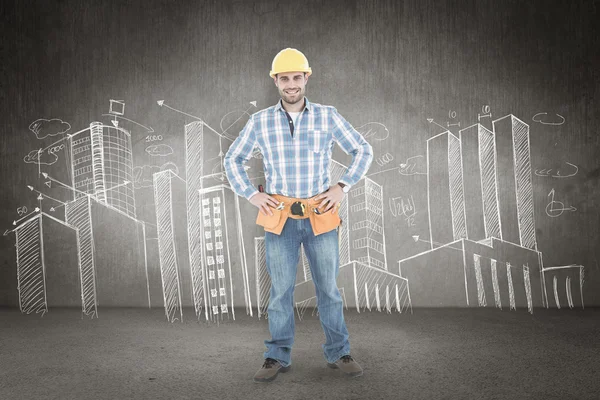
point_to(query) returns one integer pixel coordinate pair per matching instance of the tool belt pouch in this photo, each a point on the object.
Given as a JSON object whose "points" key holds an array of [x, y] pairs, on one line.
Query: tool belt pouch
{"points": [[325, 222], [272, 223]]}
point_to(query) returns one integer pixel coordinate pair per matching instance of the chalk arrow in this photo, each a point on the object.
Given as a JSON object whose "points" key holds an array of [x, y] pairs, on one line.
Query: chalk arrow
{"points": [[114, 187], [162, 104], [49, 183], [27, 216], [115, 122], [431, 121], [52, 209], [245, 112], [416, 238], [63, 185], [43, 196], [385, 170], [6, 232]]}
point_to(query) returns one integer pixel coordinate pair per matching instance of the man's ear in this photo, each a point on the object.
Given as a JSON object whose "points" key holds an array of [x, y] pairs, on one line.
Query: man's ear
{"points": [[275, 80]]}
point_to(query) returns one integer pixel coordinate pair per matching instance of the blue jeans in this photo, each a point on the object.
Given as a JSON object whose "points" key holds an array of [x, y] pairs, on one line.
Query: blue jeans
{"points": [[282, 256]]}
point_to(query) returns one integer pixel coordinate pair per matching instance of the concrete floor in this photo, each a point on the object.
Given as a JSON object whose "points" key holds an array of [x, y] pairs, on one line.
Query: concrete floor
{"points": [[430, 354]]}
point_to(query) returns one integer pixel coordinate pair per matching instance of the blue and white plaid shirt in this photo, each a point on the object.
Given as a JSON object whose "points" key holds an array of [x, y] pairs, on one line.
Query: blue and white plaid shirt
{"points": [[296, 165]]}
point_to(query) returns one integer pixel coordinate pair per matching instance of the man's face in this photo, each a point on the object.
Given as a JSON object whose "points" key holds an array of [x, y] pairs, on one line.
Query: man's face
{"points": [[291, 86]]}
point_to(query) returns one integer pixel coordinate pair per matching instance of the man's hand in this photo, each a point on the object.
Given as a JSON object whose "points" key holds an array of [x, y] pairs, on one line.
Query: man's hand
{"points": [[332, 197], [263, 201]]}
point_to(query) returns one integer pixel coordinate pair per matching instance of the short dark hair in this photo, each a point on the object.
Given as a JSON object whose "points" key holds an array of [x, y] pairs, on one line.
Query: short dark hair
{"points": [[277, 75]]}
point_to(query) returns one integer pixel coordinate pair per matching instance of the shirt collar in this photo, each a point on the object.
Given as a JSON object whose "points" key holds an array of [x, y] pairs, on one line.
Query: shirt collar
{"points": [[307, 105]]}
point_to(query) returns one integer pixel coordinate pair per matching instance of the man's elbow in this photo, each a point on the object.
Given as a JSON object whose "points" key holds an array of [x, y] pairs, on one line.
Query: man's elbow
{"points": [[229, 161], [368, 151], [228, 157]]}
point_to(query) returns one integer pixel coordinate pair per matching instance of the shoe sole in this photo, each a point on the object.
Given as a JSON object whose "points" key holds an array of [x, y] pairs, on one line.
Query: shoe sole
{"points": [[283, 370], [335, 366]]}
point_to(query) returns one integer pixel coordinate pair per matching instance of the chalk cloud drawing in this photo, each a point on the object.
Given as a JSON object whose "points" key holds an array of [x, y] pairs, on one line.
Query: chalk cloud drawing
{"points": [[548, 172], [142, 175], [40, 157], [411, 166], [374, 131], [544, 119], [159, 150], [43, 128]]}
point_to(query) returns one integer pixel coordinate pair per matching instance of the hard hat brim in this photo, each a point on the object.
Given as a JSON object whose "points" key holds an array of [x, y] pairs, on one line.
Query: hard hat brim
{"points": [[307, 70]]}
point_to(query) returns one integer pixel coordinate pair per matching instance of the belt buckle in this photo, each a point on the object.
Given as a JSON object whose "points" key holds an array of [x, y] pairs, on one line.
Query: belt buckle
{"points": [[297, 208]]}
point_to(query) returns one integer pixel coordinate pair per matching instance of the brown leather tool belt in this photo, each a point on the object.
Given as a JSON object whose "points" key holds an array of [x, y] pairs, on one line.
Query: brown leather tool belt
{"points": [[290, 207]]}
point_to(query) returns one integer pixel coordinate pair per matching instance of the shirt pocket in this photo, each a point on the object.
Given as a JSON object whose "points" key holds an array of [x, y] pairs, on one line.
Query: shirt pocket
{"points": [[318, 140]]}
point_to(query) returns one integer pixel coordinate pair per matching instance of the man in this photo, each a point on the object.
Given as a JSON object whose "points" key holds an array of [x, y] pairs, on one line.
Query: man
{"points": [[296, 139]]}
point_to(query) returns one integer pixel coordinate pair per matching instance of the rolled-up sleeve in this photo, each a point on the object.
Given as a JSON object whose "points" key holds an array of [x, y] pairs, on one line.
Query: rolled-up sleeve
{"points": [[352, 143], [238, 154]]}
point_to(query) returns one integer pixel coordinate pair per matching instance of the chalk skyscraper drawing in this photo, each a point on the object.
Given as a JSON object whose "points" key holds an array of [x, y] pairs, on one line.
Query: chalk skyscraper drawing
{"points": [[366, 227], [194, 155], [445, 196], [479, 178], [101, 163], [167, 247], [515, 193]]}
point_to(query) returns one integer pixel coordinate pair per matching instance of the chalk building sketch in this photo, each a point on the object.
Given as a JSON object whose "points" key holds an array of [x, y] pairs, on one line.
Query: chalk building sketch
{"points": [[167, 246], [102, 197], [46, 278], [482, 244], [101, 161], [214, 230], [224, 260], [482, 225]]}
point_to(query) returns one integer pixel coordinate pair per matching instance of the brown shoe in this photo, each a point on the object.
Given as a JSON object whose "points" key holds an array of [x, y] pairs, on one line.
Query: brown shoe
{"points": [[347, 365], [269, 370]]}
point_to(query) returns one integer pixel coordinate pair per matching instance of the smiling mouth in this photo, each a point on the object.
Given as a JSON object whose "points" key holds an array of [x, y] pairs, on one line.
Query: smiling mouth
{"points": [[294, 92]]}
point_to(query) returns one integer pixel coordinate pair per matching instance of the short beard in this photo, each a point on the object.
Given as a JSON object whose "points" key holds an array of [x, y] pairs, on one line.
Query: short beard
{"points": [[300, 97]]}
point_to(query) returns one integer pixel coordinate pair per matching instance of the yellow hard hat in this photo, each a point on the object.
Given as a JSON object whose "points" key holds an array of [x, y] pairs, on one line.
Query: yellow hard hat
{"points": [[289, 60]]}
